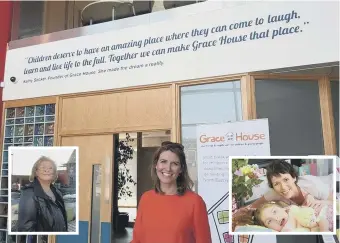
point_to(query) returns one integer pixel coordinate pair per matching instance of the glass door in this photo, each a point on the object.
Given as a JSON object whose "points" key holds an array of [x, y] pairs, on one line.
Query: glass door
{"points": [[134, 153]]}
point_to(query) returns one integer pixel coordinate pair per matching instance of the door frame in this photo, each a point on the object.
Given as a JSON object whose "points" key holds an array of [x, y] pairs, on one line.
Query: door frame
{"points": [[248, 105]]}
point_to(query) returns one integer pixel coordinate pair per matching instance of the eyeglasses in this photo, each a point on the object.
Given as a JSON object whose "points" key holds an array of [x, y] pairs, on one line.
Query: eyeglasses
{"points": [[173, 145], [45, 169]]}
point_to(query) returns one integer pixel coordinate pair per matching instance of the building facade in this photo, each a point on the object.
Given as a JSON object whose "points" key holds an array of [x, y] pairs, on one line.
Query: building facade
{"points": [[213, 71]]}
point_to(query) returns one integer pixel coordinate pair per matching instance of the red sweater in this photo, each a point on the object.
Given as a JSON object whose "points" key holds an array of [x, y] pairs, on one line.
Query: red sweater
{"points": [[171, 219]]}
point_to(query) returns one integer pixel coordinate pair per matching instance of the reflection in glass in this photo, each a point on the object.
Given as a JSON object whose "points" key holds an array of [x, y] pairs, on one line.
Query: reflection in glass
{"points": [[39, 129], [29, 120], [42, 239], [19, 140], [129, 193], [2, 236], [11, 239], [19, 121], [39, 119], [29, 129], [19, 130], [95, 209], [6, 146], [4, 184], [10, 113], [38, 141], [49, 118], [21, 239], [4, 209], [5, 154], [293, 112], [20, 112], [9, 131], [31, 19], [31, 239], [8, 140], [29, 111], [10, 122], [48, 141], [28, 139], [49, 128], [39, 110], [50, 109], [217, 103], [3, 221]]}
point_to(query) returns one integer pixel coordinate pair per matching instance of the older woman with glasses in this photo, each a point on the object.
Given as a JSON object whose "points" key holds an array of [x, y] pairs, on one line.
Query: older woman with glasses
{"points": [[41, 206], [171, 211]]}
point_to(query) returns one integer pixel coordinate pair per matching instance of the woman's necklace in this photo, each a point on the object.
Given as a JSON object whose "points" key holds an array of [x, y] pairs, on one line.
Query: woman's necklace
{"points": [[299, 199]]}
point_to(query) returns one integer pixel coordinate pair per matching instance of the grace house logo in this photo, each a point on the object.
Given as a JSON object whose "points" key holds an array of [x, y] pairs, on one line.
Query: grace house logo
{"points": [[230, 136], [233, 137]]}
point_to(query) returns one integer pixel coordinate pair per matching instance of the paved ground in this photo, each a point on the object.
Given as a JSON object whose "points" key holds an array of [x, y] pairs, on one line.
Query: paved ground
{"points": [[72, 226]]}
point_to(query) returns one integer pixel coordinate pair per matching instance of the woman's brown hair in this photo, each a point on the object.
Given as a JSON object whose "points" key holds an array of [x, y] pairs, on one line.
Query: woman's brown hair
{"points": [[184, 182], [277, 167]]}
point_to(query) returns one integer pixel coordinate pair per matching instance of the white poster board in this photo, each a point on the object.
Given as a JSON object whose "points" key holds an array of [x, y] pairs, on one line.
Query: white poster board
{"points": [[215, 143]]}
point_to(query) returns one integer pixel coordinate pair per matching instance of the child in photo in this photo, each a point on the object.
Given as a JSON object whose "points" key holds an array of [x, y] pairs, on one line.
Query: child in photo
{"points": [[279, 217]]}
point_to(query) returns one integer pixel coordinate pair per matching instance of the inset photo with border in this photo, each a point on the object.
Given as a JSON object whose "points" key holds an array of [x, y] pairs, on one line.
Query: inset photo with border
{"points": [[283, 195], [43, 186]]}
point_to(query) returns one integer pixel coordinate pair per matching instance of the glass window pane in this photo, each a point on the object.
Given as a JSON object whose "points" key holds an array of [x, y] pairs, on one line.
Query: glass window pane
{"points": [[293, 111], [335, 100], [207, 104]]}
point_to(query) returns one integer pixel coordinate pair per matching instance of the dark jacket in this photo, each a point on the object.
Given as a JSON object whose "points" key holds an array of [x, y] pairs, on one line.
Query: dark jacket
{"points": [[38, 212]]}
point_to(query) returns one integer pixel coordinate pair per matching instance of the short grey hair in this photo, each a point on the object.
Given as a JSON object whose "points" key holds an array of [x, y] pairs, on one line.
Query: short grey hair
{"points": [[37, 164]]}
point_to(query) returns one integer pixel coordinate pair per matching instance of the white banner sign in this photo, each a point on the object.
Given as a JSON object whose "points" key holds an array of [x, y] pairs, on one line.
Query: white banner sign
{"points": [[215, 143], [251, 37]]}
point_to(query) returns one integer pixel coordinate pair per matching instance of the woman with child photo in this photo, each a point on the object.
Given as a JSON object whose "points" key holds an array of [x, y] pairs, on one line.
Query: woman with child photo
{"points": [[288, 188]]}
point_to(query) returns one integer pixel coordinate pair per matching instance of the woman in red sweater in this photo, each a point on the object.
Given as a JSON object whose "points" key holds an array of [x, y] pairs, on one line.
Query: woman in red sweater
{"points": [[171, 212]]}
